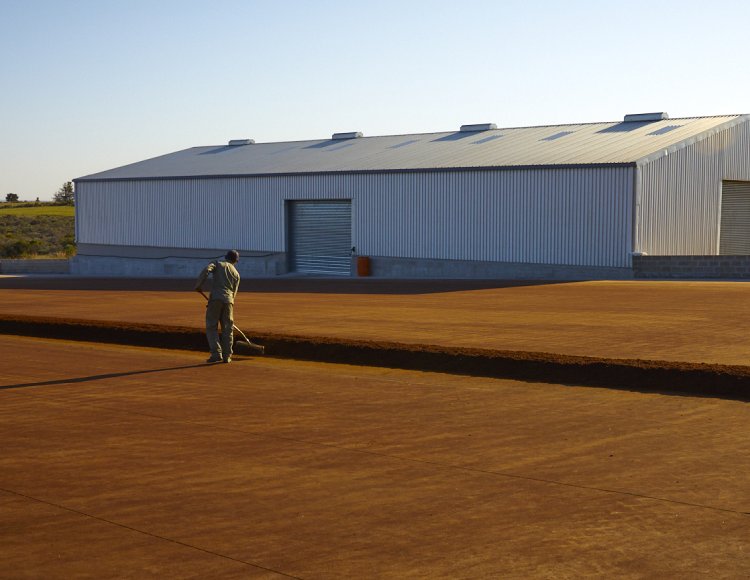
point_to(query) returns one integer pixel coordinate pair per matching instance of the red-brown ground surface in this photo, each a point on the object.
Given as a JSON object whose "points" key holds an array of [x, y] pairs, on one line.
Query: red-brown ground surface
{"points": [[699, 322], [123, 462], [634, 374], [663, 336]]}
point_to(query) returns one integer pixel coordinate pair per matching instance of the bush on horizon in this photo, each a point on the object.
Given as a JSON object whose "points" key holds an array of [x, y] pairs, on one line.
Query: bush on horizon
{"points": [[38, 235]]}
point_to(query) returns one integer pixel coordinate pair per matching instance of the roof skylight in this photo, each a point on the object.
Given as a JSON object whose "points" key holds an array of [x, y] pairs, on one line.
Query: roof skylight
{"points": [[490, 138], [557, 135], [404, 144], [666, 129]]}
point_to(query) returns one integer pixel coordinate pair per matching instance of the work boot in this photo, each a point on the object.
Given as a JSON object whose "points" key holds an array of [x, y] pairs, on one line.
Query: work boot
{"points": [[214, 359]]}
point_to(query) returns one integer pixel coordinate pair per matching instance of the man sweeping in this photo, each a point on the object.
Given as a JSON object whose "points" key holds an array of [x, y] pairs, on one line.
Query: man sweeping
{"points": [[224, 286]]}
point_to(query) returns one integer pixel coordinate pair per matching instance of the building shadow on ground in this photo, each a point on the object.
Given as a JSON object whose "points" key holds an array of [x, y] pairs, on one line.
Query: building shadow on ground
{"points": [[280, 285]]}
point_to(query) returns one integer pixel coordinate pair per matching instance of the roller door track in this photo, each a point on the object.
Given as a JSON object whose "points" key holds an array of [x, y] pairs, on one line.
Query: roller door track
{"points": [[735, 218], [320, 237]]}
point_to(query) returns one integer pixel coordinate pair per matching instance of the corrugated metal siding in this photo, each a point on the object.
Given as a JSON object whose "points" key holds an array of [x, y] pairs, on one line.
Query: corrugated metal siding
{"points": [[735, 218], [680, 194], [551, 216]]}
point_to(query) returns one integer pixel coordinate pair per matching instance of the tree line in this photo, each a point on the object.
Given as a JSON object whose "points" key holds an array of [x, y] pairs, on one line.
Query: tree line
{"points": [[64, 196]]}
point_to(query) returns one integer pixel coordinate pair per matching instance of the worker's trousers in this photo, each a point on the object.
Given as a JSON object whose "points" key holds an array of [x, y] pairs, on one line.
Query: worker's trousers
{"points": [[219, 312]]}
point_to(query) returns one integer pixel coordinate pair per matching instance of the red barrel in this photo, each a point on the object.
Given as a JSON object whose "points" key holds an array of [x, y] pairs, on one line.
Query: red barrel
{"points": [[363, 266]]}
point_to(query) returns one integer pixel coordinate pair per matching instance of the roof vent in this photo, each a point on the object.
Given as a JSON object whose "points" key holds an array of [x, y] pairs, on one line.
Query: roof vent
{"points": [[645, 117], [352, 135], [478, 127], [235, 142]]}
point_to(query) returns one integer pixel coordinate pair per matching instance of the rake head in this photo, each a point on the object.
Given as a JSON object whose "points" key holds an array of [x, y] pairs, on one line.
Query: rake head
{"points": [[251, 345]]}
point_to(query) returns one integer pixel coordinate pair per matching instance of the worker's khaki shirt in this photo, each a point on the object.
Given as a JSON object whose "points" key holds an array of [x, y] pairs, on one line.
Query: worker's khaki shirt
{"points": [[226, 281]]}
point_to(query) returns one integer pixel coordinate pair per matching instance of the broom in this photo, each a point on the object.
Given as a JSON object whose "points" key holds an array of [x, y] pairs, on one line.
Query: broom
{"points": [[246, 342]]}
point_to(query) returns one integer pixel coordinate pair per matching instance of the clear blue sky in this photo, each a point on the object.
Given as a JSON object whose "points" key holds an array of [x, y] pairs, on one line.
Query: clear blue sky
{"points": [[89, 85]]}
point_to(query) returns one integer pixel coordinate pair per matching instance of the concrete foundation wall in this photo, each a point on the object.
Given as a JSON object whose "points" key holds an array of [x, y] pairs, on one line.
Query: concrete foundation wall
{"points": [[160, 262], [172, 267], [460, 269], [702, 267], [268, 266], [34, 267]]}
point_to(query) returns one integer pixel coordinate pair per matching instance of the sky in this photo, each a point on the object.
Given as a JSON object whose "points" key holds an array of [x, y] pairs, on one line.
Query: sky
{"points": [[90, 85]]}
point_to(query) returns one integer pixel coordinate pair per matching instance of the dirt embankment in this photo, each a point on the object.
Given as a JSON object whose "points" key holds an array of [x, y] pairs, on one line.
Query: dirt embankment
{"points": [[640, 375]]}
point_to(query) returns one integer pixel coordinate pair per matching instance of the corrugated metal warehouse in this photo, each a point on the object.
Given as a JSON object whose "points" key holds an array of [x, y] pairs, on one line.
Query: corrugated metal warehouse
{"points": [[566, 201]]}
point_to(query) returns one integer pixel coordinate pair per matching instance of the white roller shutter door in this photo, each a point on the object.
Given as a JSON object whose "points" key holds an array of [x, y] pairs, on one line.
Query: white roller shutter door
{"points": [[320, 237], [735, 218]]}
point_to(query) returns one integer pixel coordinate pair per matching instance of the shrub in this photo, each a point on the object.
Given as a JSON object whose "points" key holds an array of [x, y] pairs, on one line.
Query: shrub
{"points": [[20, 249], [41, 235]]}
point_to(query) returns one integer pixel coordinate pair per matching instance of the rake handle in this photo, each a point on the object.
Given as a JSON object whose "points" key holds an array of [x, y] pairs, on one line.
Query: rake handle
{"points": [[249, 342]]}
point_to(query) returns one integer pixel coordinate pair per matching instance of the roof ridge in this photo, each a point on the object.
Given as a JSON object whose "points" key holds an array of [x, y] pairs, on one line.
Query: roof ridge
{"points": [[508, 128]]}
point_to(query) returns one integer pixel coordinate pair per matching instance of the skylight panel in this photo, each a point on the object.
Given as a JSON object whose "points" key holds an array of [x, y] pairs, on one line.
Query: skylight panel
{"points": [[557, 135], [339, 147], [666, 129], [404, 144], [490, 138]]}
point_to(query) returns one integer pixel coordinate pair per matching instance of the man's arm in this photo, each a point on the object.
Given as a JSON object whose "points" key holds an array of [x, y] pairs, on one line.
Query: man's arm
{"points": [[203, 275], [236, 287]]}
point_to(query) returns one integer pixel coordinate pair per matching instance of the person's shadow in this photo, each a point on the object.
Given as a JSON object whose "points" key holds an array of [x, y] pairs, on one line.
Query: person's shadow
{"points": [[98, 377]]}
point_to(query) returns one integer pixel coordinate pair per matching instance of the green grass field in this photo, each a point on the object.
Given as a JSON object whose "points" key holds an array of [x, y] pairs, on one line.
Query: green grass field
{"points": [[36, 210]]}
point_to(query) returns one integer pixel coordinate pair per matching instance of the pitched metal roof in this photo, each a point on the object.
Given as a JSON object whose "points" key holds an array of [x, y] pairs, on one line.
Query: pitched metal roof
{"points": [[582, 144]]}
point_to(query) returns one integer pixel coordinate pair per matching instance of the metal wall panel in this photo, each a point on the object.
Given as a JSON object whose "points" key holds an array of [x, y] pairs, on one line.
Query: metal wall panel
{"points": [[549, 217], [320, 237], [678, 195], [576, 216], [735, 218]]}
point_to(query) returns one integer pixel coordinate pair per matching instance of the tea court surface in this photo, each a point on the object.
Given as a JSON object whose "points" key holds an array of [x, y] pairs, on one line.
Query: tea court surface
{"points": [[132, 462]]}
